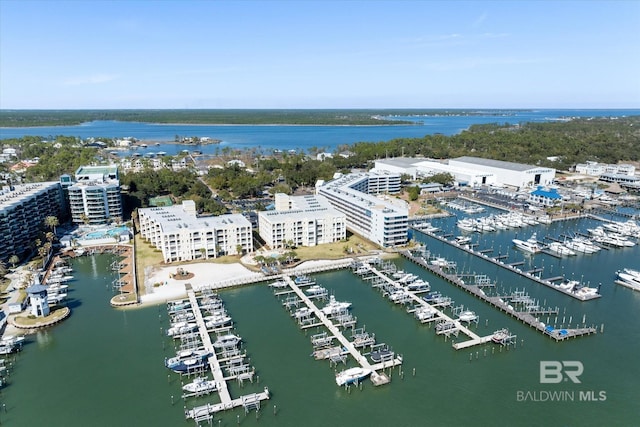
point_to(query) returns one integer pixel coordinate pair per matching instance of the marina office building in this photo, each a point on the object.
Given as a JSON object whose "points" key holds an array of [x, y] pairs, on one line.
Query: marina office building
{"points": [[94, 197], [380, 219], [182, 235], [302, 221], [23, 209]]}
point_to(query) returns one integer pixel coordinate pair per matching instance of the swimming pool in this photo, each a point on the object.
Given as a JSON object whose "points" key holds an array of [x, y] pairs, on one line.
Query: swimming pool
{"points": [[102, 234]]}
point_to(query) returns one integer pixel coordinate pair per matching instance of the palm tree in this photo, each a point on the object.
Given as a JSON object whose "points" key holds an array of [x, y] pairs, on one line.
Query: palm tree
{"points": [[3, 268], [84, 219], [52, 222]]}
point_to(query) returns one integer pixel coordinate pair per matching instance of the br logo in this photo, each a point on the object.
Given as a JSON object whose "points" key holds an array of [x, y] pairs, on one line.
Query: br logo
{"points": [[554, 371]]}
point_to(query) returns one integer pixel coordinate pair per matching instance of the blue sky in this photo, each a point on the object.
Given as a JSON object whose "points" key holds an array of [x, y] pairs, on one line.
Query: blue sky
{"points": [[319, 54]]}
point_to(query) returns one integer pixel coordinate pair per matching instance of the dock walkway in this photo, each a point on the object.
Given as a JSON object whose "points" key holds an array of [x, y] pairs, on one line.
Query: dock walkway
{"points": [[474, 338], [526, 318], [226, 402], [333, 329], [513, 267]]}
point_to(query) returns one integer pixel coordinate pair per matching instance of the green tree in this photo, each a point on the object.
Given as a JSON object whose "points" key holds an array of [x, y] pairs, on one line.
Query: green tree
{"points": [[52, 222]]}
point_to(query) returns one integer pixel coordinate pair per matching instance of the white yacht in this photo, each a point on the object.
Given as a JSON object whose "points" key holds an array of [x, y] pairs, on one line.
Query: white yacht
{"points": [[530, 245], [335, 307], [560, 249]]}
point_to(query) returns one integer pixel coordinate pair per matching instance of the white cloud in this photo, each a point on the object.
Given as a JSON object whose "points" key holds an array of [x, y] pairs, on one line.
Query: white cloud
{"points": [[93, 79]]}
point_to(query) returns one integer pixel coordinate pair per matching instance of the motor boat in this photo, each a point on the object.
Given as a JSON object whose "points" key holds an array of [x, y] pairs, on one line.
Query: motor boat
{"points": [[335, 307], [468, 316], [352, 375], [560, 249], [200, 385], [228, 340], [183, 355], [530, 245]]}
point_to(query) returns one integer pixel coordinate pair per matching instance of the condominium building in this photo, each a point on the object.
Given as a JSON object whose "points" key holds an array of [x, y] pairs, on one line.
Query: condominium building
{"points": [[381, 219], [301, 221], [23, 209], [182, 235], [597, 169], [94, 197]]}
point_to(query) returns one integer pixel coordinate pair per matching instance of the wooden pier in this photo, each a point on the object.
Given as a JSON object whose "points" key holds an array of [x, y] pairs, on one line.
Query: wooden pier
{"points": [[559, 334], [513, 268]]}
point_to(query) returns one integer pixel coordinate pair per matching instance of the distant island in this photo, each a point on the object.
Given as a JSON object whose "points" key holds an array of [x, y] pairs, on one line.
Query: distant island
{"points": [[196, 140], [31, 118]]}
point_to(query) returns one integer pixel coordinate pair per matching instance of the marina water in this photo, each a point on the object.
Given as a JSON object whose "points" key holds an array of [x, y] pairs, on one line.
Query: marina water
{"points": [[104, 367]]}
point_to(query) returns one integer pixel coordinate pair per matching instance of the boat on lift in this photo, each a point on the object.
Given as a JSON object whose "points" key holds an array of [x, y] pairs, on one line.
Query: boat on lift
{"points": [[352, 375]]}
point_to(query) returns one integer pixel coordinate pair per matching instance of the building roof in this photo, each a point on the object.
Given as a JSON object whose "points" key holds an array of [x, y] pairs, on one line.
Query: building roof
{"points": [[175, 218], [22, 192], [520, 167], [36, 289], [550, 193], [402, 162]]}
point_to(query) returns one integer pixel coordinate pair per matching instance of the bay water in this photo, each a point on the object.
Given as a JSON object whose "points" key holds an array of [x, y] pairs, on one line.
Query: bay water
{"points": [[104, 366], [266, 138]]}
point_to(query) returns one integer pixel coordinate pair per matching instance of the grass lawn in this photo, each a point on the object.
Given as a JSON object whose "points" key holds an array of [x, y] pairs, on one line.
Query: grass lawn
{"points": [[146, 255], [353, 246]]}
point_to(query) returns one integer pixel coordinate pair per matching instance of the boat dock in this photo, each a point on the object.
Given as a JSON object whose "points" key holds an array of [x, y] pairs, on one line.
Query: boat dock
{"points": [[351, 347], [513, 267], [558, 334], [439, 316], [201, 413]]}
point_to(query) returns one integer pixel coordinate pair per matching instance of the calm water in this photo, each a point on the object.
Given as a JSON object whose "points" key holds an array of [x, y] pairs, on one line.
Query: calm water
{"points": [[104, 367], [268, 138]]}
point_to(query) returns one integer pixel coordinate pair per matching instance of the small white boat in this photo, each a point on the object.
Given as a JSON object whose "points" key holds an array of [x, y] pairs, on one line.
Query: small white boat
{"points": [[228, 340], [315, 290], [419, 285], [302, 312], [279, 284], [200, 385], [468, 316], [352, 375], [181, 328], [501, 336], [216, 321]]}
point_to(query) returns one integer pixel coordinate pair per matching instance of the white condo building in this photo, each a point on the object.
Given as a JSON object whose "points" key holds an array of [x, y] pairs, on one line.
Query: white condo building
{"points": [[94, 197], [597, 169], [382, 220], [301, 220], [182, 235]]}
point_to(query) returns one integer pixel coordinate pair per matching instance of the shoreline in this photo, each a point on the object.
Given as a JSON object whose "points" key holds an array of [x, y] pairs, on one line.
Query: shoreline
{"points": [[235, 274]]}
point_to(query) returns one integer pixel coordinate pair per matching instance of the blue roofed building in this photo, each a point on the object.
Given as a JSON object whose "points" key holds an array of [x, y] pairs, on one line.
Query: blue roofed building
{"points": [[545, 196]]}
